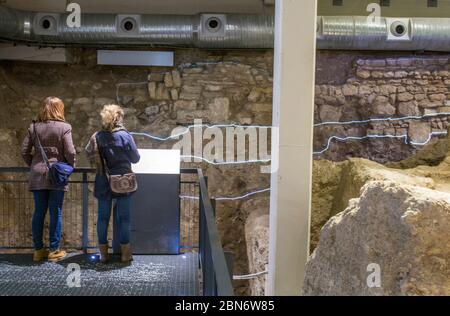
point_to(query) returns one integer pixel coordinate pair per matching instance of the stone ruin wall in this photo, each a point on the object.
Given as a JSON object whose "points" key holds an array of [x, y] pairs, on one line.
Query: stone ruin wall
{"points": [[380, 86], [357, 86], [237, 88]]}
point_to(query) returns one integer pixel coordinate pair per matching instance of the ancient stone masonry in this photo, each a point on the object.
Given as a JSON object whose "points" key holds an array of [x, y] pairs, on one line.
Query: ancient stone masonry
{"points": [[380, 87]]}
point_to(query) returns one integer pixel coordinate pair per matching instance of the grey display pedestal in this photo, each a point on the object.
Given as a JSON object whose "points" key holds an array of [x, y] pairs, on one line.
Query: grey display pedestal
{"points": [[155, 207]]}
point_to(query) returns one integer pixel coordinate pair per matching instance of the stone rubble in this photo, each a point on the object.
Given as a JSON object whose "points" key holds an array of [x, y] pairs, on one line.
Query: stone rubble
{"points": [[400, 229]]}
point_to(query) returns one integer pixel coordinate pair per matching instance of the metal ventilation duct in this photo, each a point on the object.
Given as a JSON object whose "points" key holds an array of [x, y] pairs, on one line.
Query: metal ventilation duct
{"points": [[203, 31], [222, 31], [360, 33]]}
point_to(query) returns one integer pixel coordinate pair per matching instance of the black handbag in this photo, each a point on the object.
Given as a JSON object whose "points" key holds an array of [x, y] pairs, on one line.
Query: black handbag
{"points": [[58, 172]]}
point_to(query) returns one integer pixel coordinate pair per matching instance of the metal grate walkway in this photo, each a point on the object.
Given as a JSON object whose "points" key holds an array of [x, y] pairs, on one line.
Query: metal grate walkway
{"points": [[146, 276]]}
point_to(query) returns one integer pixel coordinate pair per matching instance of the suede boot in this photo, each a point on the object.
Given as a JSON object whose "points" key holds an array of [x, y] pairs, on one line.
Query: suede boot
{"points": [[40, 255], [126, 253], [56, 255], [104, 256]]}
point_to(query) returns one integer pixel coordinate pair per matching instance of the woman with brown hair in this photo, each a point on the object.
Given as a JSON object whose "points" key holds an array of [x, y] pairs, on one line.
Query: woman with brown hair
{"points": [[53, 135]]}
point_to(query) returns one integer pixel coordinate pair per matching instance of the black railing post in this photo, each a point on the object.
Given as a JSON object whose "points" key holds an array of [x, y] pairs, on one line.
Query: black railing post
{"points": [[85, 209], [210, 286], [212, 273], [201, 232], [216, 275], [229, 256], [209, 282]]}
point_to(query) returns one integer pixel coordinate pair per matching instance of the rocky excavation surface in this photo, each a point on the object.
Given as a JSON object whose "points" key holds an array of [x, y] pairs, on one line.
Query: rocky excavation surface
{"points": [[398, 219], [334, 184], [257, 240], [404, 229], [337, 183]]}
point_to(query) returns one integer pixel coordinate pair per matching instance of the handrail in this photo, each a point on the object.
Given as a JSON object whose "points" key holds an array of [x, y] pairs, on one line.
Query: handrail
{"points": [[27, 169], [81, 170], [222, 280]]}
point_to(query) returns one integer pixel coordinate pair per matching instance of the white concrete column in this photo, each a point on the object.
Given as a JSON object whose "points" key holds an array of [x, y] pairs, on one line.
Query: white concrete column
{"points": [[293, 117]]}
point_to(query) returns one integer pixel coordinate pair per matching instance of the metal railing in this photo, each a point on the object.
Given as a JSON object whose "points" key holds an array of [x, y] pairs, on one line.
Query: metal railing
{"points": [[17, 206], [198, 229], [189, 212], [79, 212], [216, 265]]}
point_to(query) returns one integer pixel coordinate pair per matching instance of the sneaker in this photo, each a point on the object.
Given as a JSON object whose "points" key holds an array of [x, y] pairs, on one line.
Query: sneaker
{"points": [[40, 255], [56, 255]]}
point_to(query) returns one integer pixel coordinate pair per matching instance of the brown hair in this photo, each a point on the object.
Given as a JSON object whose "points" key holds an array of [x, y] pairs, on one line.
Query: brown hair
{"points": [[52, 109]]}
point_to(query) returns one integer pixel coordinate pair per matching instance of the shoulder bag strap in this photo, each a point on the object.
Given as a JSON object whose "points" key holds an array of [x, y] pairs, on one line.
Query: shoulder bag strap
{"points": [[102, 160], [43, 154]]}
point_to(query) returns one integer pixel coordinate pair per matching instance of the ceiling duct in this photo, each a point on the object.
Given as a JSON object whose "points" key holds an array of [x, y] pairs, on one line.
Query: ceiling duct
{"points": [[216, 31], [203, 30], [388, 34]]}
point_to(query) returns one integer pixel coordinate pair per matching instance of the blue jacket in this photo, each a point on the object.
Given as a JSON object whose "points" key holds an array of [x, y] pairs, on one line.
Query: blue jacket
{"points": [[119, 150]]}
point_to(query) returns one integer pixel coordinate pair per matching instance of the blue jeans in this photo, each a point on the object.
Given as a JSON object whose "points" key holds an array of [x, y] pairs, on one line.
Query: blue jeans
{"points": [[44, 200], [122, 215]]}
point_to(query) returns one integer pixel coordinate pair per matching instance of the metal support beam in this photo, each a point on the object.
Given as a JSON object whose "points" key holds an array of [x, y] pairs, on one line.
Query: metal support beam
{"points": [[85, 209], [293, 112]]}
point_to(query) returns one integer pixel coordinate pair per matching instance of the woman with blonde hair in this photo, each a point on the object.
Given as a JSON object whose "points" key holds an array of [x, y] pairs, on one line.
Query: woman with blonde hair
{"points": [[113, 150], [51, 138]]}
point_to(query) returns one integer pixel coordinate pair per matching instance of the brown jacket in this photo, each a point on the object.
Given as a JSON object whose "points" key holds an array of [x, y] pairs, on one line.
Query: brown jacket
{"points": [[56, 139]]}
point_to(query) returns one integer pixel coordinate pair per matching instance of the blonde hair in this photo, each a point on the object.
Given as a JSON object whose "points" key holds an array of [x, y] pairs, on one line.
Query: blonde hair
{"points": [[112, 116], [52, 109]]}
